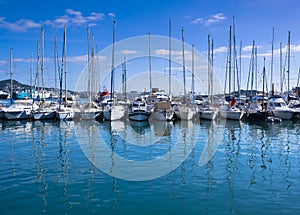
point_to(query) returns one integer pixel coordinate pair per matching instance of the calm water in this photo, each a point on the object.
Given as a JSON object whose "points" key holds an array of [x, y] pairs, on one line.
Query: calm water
{"points": [[64, 168]]}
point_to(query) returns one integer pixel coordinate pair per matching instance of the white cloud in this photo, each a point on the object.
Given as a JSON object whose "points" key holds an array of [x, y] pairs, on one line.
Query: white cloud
{"points": [[221, 49], [213, 19], [165, 52], [112, 15], [127, 52], [18, 26], [73, 17], [3, 62]]}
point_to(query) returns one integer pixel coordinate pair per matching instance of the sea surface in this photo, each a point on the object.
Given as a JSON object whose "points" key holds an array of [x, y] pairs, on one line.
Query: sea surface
{"points": [[90, 167]]}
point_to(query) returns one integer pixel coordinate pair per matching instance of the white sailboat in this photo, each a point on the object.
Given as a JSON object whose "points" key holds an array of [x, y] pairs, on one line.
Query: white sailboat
{"points": [[184, 111], [206, 110], [91, 110], [229, 109], [65, 111], [46, 110], [113, 111]]}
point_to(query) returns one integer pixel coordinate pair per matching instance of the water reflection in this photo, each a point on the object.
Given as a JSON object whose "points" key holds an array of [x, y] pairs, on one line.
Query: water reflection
{"points": [[249, 165]]}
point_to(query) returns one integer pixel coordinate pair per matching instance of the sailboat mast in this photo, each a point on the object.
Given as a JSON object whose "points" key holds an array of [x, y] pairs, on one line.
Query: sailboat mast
{"points": [[229, 61], [281, 78], [193, 71], [208, 66], [93, 83], [89, 66], [183, 64], [10, 72], [289, 56], [42, 65], [170, 56], [211, 70], [55, 70], [31, 74], [65, 62], [150, 75], [264, 73], [272, 62], [113, 62]]}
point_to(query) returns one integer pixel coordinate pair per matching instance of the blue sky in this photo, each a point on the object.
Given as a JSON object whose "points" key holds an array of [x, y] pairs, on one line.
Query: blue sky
{"points": [[20, 27]]}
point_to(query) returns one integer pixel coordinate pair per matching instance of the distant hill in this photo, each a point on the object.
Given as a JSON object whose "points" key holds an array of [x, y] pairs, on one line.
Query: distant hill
{"points": [[5, 85]]}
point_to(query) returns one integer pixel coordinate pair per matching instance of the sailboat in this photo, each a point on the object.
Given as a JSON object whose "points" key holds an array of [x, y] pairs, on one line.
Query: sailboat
{"points": [[91, 110], [184, 111], [46, 110], [206, 109], [257, 112], [64, 111], [229, 109], [113, 111], [163, 110]]}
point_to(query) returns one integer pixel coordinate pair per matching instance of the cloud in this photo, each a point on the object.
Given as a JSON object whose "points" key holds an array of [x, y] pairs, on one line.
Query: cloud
{"points": [[3, 62], [165, 52], [127, 52], [215, 18], [112, 15], [221, 49], [76, 18], [71, 17], [18, 26]]}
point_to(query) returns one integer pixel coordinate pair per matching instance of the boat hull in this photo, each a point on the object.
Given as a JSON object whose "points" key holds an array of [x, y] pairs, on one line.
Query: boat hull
{"points": [[207, 114], [139, 116], [16, 115], [65, 115], [163, 116], [40, 115], [283, 114], [114, 113], [231, 114]]}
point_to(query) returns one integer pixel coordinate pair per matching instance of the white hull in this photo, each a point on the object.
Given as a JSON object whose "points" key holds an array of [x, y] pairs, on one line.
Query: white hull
{"points": [[233, 114], [65, 114], [186, 114], [114, 113], [283, 114], [90, 113], [208, 114]]}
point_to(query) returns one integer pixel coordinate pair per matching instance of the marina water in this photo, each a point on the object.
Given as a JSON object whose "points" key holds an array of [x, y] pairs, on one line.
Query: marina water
{"points": [[55, 168]]}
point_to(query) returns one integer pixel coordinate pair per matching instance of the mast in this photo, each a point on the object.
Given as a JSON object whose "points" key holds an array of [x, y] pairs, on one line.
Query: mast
{"points": [[229, 61], [93, 83], [113, 62], [193, 70], [170, 56], [54, 55], [31, 74], [281, 78], [38, 69], [183, 65], [89, 66], [211, 70], [289, 56], [124, 77], [272, 62], [10, 72], [150, 75], [65, 62], [208, 65], [264, 73], [42, 65]]}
